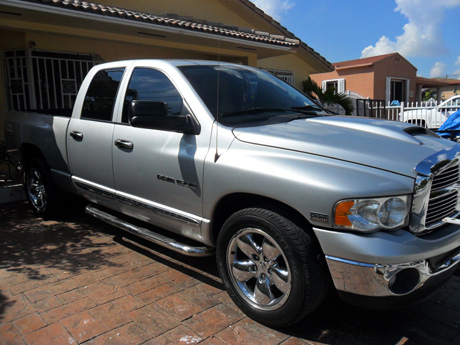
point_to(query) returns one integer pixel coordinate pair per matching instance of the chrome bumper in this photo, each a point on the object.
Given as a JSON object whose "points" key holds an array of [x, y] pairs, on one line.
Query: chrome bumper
{"points": [[384, 280]]}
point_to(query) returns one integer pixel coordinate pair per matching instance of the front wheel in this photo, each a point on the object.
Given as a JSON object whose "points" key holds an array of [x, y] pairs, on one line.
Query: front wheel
{"points": [[272, 269]]}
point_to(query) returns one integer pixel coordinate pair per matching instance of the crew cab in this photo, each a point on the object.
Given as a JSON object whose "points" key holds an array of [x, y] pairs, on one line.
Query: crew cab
{"points": [[230, 161]]}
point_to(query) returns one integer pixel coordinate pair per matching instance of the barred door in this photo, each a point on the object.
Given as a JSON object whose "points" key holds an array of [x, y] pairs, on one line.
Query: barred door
{"points": [[42, 80]]}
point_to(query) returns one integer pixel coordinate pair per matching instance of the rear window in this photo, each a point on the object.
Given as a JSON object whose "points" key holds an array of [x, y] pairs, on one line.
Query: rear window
{"points": [[102, 92]]}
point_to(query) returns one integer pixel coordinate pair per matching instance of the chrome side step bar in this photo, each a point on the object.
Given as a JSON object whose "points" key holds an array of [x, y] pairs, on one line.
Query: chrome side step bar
{"points": [[149, 235]]}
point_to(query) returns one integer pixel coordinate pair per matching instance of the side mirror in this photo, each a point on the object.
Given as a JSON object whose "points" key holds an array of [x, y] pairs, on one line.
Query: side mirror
{"points": [[154, 115], [147, 108]]}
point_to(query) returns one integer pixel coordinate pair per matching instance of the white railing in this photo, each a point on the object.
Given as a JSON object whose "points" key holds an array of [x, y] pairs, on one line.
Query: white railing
{"points": [[425, 114]]}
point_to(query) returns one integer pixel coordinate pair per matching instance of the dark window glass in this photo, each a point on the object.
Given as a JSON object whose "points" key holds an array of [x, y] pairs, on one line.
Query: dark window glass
{"points": [[152, 85], [332, 84], [241, 89], [397, 91], [100, 98]]}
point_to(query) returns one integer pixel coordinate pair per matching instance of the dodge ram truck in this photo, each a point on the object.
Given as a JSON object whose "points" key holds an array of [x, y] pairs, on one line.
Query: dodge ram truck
{"points": [[228, 160]]}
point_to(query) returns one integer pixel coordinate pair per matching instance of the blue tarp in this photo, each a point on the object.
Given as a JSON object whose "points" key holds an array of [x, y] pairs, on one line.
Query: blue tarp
{"points": [[451, 124]]}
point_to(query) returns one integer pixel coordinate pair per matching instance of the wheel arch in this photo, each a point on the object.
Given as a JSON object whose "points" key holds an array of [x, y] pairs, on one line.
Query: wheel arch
{"points": [[234, 202], [29, 152]]}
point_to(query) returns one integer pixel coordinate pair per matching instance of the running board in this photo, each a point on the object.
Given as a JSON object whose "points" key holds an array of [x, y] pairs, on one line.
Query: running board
{"points": [[149, 235]]}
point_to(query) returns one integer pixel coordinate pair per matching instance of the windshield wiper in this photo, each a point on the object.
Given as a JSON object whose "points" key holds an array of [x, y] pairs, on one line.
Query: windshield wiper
{"points": [[253, 111], [307, 109]]}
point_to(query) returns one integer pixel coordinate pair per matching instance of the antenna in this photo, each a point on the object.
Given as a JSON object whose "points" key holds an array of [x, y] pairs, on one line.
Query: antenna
{"points": [[216, 155]]}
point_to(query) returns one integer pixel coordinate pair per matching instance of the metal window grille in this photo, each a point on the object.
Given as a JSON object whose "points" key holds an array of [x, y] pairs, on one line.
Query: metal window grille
{"points": [[41, 80], [287, 76]]}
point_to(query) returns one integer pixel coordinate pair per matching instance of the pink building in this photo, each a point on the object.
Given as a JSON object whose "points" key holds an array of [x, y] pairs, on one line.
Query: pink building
{"points": [[387, 77]]}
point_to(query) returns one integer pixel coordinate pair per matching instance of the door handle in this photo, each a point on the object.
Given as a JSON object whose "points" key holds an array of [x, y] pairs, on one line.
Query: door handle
{"points": [[76, 135], [124, 144]]}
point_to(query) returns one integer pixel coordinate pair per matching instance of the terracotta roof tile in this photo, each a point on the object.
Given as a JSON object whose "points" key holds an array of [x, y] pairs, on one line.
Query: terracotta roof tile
{"points": [[173, 20], [362, 62], [449, 81], [431, 81]]}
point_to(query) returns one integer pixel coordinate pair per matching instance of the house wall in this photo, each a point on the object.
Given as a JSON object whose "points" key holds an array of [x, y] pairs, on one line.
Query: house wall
{"points": [[110, 51], [359, 80], [449, 91], [9, 40], [299, 67], [319, 77], [394, 67], [371, 81]]}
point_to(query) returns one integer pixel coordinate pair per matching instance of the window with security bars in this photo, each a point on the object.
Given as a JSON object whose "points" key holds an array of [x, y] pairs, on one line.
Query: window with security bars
{"points": [[287, 76], [44, 81]]}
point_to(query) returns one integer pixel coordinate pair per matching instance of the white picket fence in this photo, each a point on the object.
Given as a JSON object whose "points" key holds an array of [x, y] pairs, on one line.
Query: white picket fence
{"points": [[426, 114]]}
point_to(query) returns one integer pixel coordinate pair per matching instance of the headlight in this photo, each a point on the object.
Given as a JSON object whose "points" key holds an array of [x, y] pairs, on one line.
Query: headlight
{"points": [[368, 215]]}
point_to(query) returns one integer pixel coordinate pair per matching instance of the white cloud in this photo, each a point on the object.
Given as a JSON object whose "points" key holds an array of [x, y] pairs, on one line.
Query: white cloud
{"points": [[422, 34], [274, 8], [383, 46], [458, 61], [438, 70]]}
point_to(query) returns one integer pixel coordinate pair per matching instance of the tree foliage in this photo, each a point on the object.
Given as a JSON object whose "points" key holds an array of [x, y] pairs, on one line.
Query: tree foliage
{"points": [[328, 97]]}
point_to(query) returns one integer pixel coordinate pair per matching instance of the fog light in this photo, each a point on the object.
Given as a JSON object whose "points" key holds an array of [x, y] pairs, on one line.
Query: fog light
{"points": [[404, 281]]}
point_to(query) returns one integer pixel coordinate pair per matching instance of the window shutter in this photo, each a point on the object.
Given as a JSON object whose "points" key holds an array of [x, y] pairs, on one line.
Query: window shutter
{"points": [[340, 85], [323, 85], [388, 90]]}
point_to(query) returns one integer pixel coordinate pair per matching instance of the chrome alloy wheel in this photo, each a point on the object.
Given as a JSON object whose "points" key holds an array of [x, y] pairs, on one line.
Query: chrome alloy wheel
{"points": [[36, 189], [259, 269]]}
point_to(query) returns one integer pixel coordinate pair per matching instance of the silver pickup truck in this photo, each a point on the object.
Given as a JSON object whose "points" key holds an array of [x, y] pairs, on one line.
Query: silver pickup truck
{"points": [[230, 161]]}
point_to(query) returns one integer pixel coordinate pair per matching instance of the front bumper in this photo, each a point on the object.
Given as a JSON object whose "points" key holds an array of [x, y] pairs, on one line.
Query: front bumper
{"points": [[386, 280], [390, 264]]}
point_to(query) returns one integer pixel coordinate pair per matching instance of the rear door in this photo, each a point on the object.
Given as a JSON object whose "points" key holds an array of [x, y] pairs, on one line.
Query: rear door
{"points": [[90, 137]]}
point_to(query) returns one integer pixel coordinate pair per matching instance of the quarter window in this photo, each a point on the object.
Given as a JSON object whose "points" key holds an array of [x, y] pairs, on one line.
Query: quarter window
{"points": [[100, 98]]}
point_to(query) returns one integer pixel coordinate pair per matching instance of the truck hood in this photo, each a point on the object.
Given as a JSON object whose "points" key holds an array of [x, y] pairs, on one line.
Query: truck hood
{"points": [[387, 145]]}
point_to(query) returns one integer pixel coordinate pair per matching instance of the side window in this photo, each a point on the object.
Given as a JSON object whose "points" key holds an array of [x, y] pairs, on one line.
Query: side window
{"points": [[152, 85], [101, 94]]}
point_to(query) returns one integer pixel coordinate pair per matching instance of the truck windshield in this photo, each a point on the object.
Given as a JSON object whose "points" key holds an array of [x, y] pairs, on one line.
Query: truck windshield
{"points": [[235, 94]]}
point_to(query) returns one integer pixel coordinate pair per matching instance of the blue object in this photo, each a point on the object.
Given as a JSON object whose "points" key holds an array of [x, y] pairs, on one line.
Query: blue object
{"points": [[451, 124]]}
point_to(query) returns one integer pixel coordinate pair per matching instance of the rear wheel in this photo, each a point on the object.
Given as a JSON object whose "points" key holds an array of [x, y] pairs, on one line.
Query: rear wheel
{"points": [[42, 193], [271, 268]]}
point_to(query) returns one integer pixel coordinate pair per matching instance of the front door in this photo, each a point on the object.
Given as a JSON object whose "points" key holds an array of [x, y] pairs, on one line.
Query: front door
{"points": [[158, 174]]}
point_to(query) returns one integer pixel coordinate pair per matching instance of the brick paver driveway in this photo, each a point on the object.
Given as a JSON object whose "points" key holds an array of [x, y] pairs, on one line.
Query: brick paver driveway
{"points": [[78, 281]]}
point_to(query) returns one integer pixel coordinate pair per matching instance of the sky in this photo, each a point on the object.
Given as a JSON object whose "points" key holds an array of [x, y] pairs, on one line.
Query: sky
{"points": [[425, 32]]}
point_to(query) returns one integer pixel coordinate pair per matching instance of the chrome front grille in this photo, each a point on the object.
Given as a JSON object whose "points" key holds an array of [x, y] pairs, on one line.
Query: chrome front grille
{"points": [[436, 191], [443, 196], [441, 207], [445, 179]]}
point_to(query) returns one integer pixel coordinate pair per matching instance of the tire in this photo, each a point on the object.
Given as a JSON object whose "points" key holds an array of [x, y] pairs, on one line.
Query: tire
{"points": [[273, 270], [42, 193]]}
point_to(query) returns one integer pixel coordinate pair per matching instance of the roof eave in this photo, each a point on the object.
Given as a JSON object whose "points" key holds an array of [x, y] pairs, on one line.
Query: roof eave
{"points": [[341, 68], [252, 40]]}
